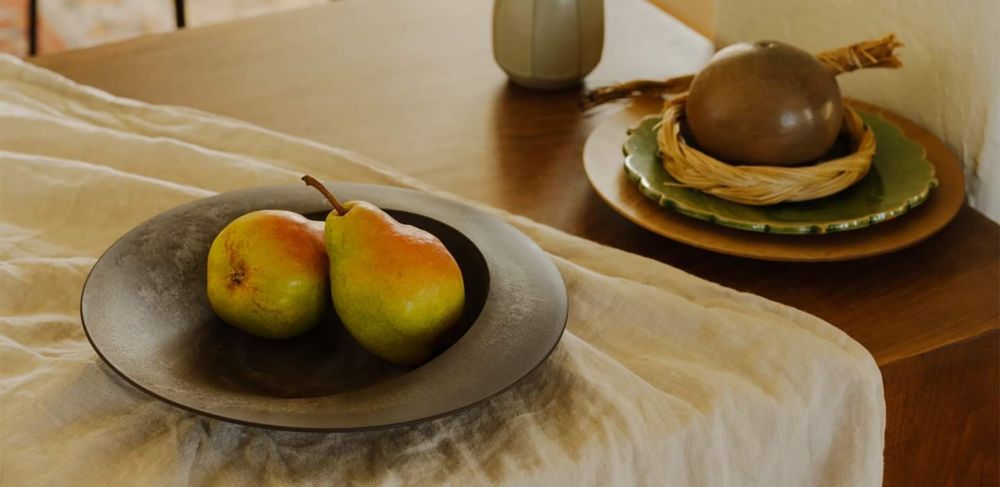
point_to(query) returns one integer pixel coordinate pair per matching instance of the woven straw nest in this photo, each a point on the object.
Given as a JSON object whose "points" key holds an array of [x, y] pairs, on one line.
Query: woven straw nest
{"points": [[761, 185]]}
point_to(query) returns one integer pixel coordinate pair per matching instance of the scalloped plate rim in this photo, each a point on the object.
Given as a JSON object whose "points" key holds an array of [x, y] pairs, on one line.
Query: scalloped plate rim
{"points": [[663, 200]]}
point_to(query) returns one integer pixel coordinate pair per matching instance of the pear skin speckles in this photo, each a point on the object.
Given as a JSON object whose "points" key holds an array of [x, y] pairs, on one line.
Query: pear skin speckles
{"points": [[268, 274], [395, 287]]}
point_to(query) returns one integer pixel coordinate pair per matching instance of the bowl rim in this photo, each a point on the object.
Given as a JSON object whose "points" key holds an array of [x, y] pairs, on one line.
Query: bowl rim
{"points": [[458, 216]]}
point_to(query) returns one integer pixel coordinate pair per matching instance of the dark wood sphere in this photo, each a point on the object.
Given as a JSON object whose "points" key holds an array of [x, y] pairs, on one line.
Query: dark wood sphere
{"points": [[764, 103]]}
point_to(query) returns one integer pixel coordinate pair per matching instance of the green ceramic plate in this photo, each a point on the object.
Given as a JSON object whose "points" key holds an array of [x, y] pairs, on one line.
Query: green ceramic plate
{"points": [[901, 178]]}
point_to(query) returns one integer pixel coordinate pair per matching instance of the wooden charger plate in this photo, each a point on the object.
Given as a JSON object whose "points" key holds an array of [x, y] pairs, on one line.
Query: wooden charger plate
{"points": [[603, 159]]}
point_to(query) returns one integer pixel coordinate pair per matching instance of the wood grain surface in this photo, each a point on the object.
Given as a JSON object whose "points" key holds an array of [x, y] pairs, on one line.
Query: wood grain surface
{"points": [[941, 420], [412, 84]]}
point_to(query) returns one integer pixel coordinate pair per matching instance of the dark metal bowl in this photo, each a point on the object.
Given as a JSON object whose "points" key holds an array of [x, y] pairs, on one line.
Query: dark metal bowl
{"points": [[146, 313]]}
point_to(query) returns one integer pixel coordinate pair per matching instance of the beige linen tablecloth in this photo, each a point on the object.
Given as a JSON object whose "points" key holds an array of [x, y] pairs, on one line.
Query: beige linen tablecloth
{"points": [[661, 378]]}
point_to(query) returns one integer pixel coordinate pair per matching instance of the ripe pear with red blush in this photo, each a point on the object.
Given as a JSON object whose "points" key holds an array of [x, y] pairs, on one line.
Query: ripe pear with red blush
{"points": [[395, 287], [268, 274]]}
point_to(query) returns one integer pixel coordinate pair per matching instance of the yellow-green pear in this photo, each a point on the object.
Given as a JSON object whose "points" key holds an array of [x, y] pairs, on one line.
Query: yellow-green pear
{"points": [[395, 287], [268, 274]]}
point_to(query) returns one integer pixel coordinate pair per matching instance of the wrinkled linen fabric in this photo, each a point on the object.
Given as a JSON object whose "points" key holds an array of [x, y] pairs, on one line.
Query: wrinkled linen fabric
{"points": [[661, 378]]}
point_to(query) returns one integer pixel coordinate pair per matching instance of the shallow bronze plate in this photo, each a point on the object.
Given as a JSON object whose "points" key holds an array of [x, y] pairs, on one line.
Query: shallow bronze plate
{"points": [[603, 158], [145, 311]]}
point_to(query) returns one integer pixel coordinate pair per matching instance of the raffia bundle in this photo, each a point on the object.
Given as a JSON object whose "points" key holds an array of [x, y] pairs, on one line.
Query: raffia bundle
{"points": [[873, 53], [761, 185]]}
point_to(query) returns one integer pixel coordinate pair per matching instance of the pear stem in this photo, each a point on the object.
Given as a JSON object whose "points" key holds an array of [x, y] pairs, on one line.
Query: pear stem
{"points": [[311, 181]]}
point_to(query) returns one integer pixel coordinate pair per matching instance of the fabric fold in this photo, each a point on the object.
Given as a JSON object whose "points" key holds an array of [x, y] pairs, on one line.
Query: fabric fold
{"points": [[661, 377]]}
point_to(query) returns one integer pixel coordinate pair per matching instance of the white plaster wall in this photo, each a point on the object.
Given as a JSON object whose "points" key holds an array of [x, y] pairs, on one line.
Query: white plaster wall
{"points": [[950, 81]]}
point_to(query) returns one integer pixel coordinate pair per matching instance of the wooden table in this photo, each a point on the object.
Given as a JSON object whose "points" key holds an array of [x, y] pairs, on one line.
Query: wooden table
{"points": [[413, 84]]}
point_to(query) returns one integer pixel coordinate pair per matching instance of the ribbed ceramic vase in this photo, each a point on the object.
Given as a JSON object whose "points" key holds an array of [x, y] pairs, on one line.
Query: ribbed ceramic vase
{"points": [[548, 44]]}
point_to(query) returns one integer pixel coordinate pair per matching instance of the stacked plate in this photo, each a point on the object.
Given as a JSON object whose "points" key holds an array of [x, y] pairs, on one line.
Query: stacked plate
{"points": [[914, 188]]}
